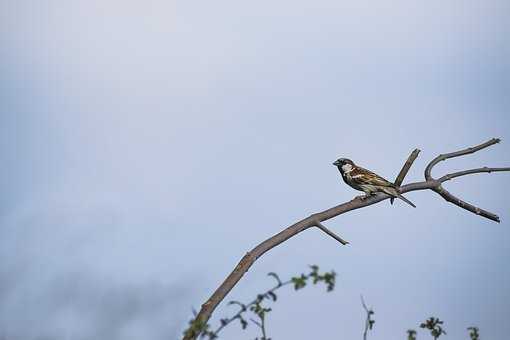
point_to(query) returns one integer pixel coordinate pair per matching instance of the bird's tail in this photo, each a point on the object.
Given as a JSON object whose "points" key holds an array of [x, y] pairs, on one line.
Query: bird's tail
{"points": [[393, 192]]}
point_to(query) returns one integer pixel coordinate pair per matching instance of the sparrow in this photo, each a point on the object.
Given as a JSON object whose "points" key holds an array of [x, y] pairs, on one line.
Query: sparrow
{"points": [[364, 180]]}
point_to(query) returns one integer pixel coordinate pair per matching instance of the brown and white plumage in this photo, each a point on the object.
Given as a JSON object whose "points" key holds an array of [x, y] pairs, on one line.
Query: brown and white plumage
{"points": [[365, 180]]}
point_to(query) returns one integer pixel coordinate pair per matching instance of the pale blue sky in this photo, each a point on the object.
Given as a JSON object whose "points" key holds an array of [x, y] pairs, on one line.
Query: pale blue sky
{"points": [[146, 146]]}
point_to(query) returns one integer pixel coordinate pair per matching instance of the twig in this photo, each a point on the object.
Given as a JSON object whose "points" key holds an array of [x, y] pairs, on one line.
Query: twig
{"points": [[450, 197], [369, 322], [448, 177], [405, 169], [407, 165], [330, 233], [465, 205], [462, 152], [262, 326], [247, 261], [245, 307]]}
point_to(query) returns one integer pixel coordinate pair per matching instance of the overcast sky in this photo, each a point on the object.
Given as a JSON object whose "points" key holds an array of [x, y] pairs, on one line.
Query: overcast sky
{"points": [[145, 146]]}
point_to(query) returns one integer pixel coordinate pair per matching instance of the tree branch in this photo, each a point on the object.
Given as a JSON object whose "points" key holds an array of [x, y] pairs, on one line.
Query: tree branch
{"points": [[448, 177], [407, 165], [313, 220], [450, 197], [464, 205], [330, 233], [463, 152], [405, 169]]}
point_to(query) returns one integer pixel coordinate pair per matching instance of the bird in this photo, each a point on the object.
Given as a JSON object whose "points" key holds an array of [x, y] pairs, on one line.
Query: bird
{"points": [[365, 180]]}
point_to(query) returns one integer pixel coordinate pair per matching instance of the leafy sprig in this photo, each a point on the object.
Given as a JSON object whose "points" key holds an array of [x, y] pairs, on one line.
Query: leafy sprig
{"points": [[435, 327], [257, 307]]}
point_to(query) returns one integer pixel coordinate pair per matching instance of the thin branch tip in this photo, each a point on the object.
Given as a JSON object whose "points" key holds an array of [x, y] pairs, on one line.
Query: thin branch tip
{"points": [[405, 169], [448, 177], [322, 227], [466, 151]]}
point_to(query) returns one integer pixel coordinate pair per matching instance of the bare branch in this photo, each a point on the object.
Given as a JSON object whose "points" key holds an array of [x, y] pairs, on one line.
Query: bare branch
{"points": [[407, 165], [330, 233], [315, 220], [457, 201], [447, 195], [464, 205], [405, 170], [463, 152], [448, 177]]}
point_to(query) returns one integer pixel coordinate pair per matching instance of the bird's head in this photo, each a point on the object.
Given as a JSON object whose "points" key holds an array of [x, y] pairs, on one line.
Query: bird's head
{"points": [[343, 161]]}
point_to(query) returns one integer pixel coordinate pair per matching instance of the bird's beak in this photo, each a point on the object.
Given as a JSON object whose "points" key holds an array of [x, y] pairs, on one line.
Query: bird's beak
{"points": [[335, 163]]}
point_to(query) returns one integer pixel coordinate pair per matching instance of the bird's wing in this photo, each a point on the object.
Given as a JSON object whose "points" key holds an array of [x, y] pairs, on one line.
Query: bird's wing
{"points": [[363, 176]]}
